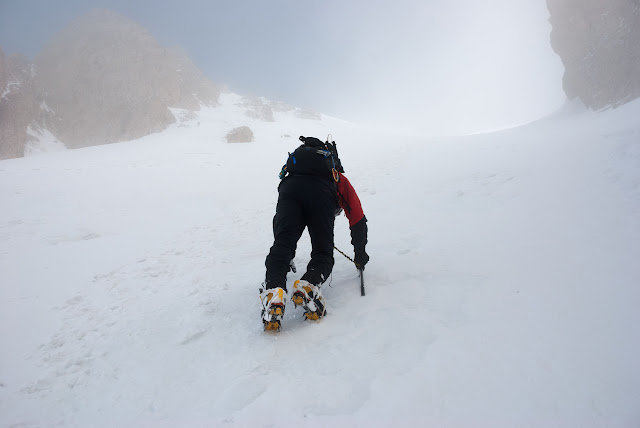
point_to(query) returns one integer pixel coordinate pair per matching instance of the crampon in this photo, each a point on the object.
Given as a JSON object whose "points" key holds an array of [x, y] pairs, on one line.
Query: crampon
{"points": [[273, 305], [310, 298]]}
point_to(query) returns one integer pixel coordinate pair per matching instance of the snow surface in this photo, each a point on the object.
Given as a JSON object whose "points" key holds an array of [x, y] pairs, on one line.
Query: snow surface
{"points": [[41, 140], [503, 288]]}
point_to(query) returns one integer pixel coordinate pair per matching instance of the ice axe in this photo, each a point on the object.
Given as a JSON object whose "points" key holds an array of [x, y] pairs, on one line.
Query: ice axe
{"points": [[360, 270]]}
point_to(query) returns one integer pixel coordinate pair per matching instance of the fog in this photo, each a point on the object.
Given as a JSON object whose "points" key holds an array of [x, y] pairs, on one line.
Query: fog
{"points": [[426, 66]]}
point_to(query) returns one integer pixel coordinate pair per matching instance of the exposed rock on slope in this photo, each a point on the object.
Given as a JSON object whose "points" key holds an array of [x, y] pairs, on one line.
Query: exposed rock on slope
{"points": [[106, 79], [599, 44], [241, 134], [103, 79], [18, 105]]}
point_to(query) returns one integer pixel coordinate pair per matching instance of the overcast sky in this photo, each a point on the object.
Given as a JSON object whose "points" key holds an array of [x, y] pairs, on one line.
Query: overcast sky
{"points": [[450, 66]]}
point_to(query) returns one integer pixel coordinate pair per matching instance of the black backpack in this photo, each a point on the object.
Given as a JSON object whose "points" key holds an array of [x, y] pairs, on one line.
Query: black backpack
{"points": [[314, 157]]}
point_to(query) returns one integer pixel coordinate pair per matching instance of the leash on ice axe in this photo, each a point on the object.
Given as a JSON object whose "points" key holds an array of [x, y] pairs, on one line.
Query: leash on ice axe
{"points": [[357, 267]]}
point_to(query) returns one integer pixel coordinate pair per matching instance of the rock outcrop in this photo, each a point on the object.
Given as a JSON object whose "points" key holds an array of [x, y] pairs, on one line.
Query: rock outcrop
{"points": [[18, 104], [241, 134], [598, 42], [106, 79], [101, 80]]}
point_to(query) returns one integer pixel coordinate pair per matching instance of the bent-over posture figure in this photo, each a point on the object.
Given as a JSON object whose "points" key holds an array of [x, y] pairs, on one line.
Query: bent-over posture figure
{"points": [[312, 192]]}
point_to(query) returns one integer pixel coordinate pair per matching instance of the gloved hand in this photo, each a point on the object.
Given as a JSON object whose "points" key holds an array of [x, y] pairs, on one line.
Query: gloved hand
{"points": [[361, 258], [359, 241]]}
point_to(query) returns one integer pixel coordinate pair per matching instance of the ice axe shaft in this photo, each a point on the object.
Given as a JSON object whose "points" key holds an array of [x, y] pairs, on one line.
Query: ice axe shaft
{"points": [[357, 267]]}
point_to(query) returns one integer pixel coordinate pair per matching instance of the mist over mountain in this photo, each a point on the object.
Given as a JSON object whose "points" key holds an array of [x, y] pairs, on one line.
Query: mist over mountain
{"points": [[599, 45], [104, 78]]}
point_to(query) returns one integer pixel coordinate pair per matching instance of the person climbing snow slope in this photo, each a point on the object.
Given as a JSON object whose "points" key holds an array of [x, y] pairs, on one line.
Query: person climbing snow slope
{"points": [[313, 191]]}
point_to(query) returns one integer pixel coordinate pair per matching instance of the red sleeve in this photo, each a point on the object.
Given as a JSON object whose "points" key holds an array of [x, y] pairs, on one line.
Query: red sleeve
{"points": [[349, 201]]}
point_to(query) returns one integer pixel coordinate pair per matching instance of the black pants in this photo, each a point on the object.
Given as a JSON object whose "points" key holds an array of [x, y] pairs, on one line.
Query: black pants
{"points": [[303, 201]]}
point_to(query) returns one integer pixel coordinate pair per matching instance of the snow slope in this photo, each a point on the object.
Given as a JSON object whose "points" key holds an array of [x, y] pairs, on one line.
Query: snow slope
{"points": [[502, 289]]}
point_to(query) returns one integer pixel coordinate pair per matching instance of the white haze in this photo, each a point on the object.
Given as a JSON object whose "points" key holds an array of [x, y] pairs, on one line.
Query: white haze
{"points": [[454, 68], [417, 66]]}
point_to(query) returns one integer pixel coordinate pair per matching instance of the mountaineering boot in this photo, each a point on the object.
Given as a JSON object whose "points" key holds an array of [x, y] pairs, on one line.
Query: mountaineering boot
{"points": [[310, 298], [273, 301]]}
